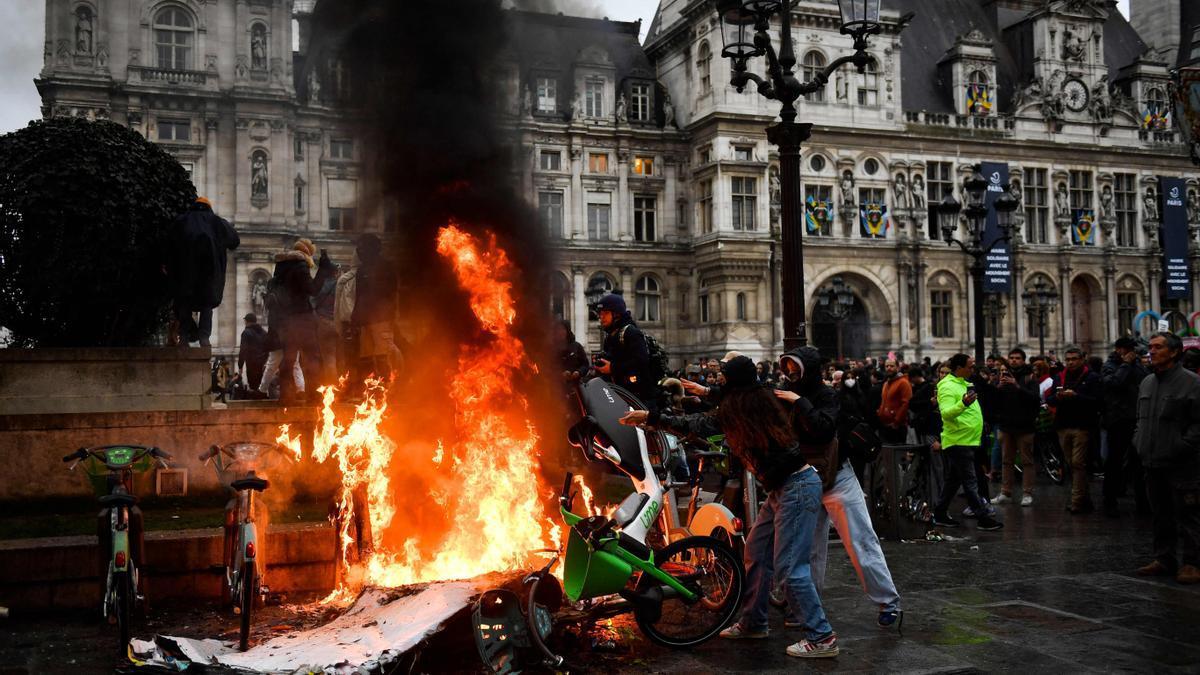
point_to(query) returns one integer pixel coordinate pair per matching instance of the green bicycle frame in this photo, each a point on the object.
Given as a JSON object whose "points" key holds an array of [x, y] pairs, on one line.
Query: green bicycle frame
{"points": [[593, 571]]}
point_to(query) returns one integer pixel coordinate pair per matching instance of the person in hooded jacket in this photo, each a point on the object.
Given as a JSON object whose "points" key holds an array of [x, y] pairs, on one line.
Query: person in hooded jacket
{"points": [[195, 264], [572, 357], [294, 289], [853, 409], [815, 412], [760, 434], [625, 360]]}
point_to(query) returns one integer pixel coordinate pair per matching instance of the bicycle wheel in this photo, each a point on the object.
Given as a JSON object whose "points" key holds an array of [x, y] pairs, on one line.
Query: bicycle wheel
{"points": [[249, 589], [707, 567], [123, 606], [1052, 460]]}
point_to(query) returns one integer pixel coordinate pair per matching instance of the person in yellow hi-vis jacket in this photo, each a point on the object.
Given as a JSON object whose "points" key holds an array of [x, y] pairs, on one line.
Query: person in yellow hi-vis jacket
{"points": [[962, 432]]}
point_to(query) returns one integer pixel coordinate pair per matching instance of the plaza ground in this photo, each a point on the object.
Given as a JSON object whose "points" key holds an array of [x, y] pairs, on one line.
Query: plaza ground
{"points": [[1049, 593]]}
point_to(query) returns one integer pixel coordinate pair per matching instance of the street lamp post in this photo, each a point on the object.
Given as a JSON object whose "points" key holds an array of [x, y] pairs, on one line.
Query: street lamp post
{"points": [[994, 309], [1040, 301], [744, 26], [976, 211], [836, 299]]}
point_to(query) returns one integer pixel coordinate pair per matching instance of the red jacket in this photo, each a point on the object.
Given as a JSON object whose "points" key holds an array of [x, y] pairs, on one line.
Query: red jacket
{"points": [[893, 409]]}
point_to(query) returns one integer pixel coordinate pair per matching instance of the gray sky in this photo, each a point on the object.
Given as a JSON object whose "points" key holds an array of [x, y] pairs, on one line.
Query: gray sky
{"points": [[22, 24]]}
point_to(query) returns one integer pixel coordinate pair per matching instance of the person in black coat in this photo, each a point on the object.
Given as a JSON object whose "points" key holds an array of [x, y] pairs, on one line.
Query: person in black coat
{"points": [[1121, 376], [253, 351], [571, 355], [1076, 397], [291, 311], [195, 263], [625, 360]]}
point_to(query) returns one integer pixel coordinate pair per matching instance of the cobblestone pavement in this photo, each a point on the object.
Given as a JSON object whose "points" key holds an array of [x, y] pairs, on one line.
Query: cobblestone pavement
{"points": [[1049, 593]]}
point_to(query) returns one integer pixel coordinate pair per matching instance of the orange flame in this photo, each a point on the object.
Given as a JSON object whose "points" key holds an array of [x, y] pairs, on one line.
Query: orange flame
{"points": [[488, 471]]}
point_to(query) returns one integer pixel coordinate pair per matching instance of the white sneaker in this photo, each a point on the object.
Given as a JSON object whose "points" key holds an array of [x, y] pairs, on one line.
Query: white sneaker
{"points": [[1002, 499], [1027, 500]]}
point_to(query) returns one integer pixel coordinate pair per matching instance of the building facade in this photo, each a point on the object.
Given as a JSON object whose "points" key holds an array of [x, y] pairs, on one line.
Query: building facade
{"points": [[653, 176], [668, 189]]}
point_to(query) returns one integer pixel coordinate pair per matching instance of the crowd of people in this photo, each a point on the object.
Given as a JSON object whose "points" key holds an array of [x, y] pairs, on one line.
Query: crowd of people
{"points": [[805, 427], [321, 319]]}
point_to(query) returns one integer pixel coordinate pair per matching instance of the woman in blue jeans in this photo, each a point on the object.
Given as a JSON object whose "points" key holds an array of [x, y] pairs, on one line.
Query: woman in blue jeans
{"points": [[759, 432]]}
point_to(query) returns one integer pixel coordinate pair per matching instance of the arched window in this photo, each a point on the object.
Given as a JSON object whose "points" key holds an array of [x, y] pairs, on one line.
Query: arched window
{"points": [[814, 62], [868, 84], [647, 298], [979, 93], [560, 296], [1156, 114], [174, 33], [742, 311], [704, 66], [598, 285]]}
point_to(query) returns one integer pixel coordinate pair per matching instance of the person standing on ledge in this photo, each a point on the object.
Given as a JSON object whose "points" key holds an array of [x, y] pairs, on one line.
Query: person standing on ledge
{"points": [[195, 266]]}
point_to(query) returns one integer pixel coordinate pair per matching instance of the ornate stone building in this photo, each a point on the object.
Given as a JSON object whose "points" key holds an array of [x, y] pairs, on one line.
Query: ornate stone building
{"points": [[218, 84], [654, 176]]}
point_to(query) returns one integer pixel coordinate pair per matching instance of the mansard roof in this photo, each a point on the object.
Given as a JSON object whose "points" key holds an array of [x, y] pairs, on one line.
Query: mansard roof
{"points": [[564, 40], [936, 24]]}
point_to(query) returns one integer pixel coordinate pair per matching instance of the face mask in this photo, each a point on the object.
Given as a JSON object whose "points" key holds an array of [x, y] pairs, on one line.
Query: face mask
{"points": [[849, 384]]}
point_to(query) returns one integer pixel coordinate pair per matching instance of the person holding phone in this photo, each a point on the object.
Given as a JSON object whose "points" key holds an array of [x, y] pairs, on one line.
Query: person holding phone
{"points": [[962, 432], [1018, 403], [1076, 398]]}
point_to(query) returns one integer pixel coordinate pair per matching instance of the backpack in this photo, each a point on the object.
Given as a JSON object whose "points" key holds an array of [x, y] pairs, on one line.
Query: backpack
{"points": [[659, 363]]}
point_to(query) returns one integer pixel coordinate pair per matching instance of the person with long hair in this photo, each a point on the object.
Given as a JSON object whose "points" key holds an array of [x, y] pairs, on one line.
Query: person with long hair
{"points": [[759, 431]]}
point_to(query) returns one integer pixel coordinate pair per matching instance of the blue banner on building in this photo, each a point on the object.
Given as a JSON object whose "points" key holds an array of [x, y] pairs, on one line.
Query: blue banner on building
{"points": [[997, 266], [1175, 238]]}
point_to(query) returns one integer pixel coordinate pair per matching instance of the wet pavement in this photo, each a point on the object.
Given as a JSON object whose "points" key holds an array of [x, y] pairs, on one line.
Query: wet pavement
{"points": [[1049, 593]]}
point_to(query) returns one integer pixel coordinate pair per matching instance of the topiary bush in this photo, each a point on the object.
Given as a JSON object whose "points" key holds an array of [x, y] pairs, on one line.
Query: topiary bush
{"points": [[84, 208]]}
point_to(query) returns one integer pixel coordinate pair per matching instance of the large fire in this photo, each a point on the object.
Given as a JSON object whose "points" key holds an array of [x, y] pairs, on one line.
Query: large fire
{"points": [[482, 477]]}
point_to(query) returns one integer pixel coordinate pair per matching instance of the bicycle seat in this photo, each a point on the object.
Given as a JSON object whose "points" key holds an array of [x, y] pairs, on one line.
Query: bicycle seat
{"points": [[253, 483], [118, 499]]}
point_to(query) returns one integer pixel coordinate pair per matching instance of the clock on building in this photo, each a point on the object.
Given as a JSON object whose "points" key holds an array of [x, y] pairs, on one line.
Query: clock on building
{"points": [[1075, 94]]}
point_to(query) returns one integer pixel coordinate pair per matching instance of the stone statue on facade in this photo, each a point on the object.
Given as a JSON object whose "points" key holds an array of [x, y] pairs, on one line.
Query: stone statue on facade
{"points": [[841, 86], [576, 109], [847, 189], [1031, 93], [918, 193], [258, 49], [258, 297], [258, 176], [1106, 204], [1053, 105], [1102, 109], [1150, 206], [1074, 45], [776, 185], [1062, 203], [900, 191], [1193, 207], [83, 31], [668, 112], [622, 115], [314, 87], [527, 101]]}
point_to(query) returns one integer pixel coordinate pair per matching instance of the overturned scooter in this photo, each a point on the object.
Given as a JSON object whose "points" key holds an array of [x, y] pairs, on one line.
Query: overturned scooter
{"points": [[680, 596]]}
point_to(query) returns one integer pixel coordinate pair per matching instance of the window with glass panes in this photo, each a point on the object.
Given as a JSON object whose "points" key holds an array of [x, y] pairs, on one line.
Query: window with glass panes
{"points": [[939, 182], [1037, 209], [744, 202], [598, 218], [647, 298], [551, 160], [643, 166], [705, 202], [597, 162], [639, 102], [941, 313], [743, 153], [173, 34], [704, 66], [174, 130], [298, 147], [593, 98], [704, 307], [299, 198], [820, 193], [742, 312], [341, 149], [868, 84], [1125, 207], [550, 207], [814, 62], [644, 207], [547, 95], [1127, 303], [560, 294], [1079, 189], [342, 219]]}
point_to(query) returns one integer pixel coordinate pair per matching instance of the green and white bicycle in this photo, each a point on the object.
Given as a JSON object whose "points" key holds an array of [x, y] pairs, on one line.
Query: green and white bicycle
{"points": [[680, 595], [110, 470]]}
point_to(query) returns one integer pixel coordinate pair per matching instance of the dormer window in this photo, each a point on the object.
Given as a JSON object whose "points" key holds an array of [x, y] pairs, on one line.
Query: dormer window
{"points": [[743, 153], [1156, 115], [547, 95], [593, 98], [979, 94], [639, 108]]}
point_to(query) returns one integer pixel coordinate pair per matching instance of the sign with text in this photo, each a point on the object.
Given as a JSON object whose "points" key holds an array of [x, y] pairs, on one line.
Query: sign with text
{"points": [[997, 263], [1175, 238]]}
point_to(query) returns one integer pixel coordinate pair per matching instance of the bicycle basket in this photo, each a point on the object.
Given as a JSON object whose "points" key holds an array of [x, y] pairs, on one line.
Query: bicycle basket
{"points": [[592, 573]]}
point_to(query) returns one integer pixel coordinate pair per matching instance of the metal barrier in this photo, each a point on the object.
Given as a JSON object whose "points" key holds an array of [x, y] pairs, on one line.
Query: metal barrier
{"points": [[902, 485]]}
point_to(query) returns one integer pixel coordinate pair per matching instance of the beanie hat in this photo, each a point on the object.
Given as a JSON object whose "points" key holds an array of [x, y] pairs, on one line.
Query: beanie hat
{"points": [[613, 303], [740, 373], [204, 201]]}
